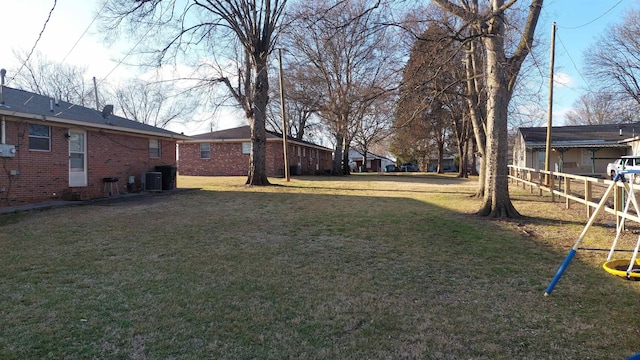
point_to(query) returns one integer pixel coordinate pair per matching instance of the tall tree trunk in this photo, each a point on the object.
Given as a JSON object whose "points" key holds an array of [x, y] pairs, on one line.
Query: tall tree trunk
{"points": [[257, 157], [348, 139], [476, 112], [496, 200], [345, 157], [364, 160], [462, 162], [337, 156], [461, 132], [440, 144], [474, 159]]}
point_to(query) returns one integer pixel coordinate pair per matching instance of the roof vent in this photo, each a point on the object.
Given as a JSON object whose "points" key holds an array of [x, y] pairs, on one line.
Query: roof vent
{"points": [[106, 111], [3, 72]]}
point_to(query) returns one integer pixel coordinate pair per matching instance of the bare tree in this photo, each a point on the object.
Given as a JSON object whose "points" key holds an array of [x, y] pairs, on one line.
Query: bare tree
{"points": [[433, 90], [412, 142], [501, 74], [602, 108], [195, 28], [351, 61], [301, 103], [461, 127], [613, 61], [446, 69], [374, 126], [154, 103], [63, 82]]}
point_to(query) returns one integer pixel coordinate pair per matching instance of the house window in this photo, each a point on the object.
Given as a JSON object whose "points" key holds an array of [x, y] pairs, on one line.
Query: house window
{"points": [[205, 151], [246, 147], [304, 151], [154, 148], [39, 137]]}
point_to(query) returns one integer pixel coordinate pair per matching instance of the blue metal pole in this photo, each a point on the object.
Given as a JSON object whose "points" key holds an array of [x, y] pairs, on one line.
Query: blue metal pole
{"points": [[561, 270], [573, 250]]}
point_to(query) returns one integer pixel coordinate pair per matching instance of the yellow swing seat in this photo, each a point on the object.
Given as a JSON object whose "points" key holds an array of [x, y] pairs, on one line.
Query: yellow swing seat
{"points": [[619, 267]]}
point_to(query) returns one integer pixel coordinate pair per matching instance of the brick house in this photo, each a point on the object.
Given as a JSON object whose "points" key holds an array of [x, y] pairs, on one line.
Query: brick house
{"points": [[53, 149], [226, 153]]}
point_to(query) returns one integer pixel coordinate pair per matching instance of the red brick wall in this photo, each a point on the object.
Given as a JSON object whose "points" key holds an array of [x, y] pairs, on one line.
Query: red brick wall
{"points": [[227, 159], [275, 159], [44, 175], [311, 161]]}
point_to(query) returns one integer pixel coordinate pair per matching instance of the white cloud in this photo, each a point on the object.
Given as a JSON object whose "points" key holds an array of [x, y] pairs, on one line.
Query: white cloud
{"points": [[563, 79], [560, 116]]}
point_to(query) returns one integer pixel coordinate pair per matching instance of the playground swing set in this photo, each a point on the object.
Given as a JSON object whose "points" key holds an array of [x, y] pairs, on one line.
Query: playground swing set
{"points": [[629, 268]]}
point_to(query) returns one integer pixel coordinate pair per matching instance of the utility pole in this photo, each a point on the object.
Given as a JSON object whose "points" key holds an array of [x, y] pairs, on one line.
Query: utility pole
{"points": [[284, 121], [550, 105]]}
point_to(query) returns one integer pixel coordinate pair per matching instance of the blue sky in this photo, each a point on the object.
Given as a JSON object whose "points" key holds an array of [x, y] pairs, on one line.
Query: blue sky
{"points": [[23, 21], [579, 23]]}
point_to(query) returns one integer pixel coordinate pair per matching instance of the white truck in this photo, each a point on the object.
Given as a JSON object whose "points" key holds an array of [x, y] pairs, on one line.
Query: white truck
{"points": [[624, 163]]}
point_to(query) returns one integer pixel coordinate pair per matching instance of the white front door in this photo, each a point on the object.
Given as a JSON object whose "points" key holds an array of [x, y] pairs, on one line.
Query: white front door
{"points": [[77, 158]]}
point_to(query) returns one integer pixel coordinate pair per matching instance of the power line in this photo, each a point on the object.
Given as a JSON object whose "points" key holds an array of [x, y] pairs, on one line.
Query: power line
{"points": [[573, 62], [594, 20], [133, 48], [85, 32], [151, 27], [55, 2], [127, 55]]}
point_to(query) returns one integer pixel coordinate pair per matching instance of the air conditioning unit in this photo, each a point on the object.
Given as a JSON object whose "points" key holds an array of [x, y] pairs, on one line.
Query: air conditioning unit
{"points": [[152, 181]]}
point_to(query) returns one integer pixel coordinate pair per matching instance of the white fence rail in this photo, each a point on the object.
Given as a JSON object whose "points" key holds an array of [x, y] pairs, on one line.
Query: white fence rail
{"points": [[573, 188]]}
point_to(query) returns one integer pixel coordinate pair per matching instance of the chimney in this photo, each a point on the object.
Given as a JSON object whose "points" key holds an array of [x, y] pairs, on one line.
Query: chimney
{"points": [[3, 72]]}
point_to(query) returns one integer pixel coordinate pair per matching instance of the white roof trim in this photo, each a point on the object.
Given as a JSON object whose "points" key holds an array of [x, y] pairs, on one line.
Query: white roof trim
{"points": [[289, 141], [44, 118]]}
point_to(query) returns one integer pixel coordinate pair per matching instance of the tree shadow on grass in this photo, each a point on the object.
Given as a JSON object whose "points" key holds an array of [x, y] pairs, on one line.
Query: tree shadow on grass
{"points": [[266, 273], [433, 183], [355, 189], [393, 177]]}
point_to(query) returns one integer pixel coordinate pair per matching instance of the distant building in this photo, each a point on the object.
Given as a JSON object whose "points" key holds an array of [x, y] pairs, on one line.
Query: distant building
{"points": [[375, 163], [226, 153], [448, 164], [584, 150]]}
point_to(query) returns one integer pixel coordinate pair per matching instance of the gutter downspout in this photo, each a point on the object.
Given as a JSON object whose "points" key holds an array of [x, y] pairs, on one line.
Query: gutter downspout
{"points": [[3, 136]]}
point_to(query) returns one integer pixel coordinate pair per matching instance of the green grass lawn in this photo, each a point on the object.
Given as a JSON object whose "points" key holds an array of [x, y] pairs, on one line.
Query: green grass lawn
{"points": [[363, 267]]}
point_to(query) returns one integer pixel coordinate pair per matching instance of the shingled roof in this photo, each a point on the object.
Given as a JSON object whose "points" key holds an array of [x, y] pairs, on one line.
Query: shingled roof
{"points": [[608, 135], [25, 104], [243, 133]]}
